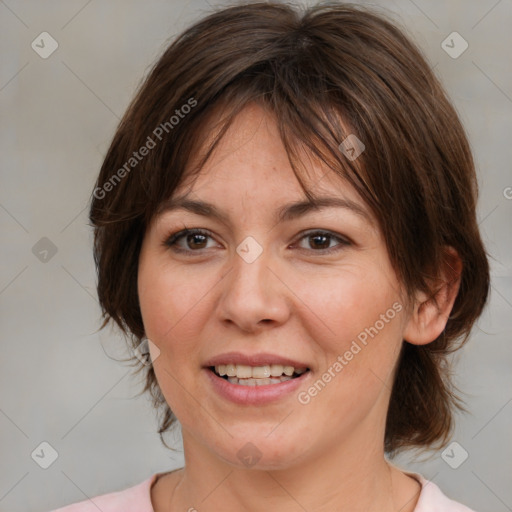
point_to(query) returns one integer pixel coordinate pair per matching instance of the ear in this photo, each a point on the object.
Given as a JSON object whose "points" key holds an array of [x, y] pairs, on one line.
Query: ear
{"points": [[430, 312]]}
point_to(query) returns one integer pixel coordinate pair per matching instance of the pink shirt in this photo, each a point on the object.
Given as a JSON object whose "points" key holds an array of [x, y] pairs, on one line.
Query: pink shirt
{"points": [[138, 499]]}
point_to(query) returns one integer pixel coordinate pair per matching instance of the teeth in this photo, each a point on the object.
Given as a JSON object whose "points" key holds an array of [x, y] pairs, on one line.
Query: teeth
{"points": [[260, 372], [230, 370], [242, 371], [258, 382], [288, 370], [276, 370]]}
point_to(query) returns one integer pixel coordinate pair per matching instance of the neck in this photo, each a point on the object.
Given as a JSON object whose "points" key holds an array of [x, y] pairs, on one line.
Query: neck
{"points": [[343, 480]]}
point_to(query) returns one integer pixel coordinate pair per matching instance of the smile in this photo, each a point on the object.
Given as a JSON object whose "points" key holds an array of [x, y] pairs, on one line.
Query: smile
{"points": [[245, 375], [256, 391]]}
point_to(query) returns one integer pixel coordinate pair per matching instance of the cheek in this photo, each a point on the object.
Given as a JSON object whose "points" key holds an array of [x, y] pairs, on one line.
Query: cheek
{"points": [[350, 301], [171, 302], [359, 349], [156, 301], [360, 334], [171, 310]]}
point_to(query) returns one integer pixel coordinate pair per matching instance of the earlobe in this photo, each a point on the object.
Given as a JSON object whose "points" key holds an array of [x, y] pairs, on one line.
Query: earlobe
{"points": [[430, 313]]}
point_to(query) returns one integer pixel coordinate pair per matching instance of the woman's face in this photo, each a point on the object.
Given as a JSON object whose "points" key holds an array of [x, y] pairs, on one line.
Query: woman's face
{"points": [[314, 286]]}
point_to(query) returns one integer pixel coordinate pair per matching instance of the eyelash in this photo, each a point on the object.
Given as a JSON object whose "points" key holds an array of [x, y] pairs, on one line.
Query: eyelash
{"points": [[175, 237]]}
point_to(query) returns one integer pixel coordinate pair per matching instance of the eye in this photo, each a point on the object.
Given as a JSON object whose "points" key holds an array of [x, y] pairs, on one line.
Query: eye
{"points": [[322, 239], [197, 239]]}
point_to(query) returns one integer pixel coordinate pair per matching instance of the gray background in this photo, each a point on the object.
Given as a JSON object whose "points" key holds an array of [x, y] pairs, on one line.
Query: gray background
{"points": [[59, 378]]}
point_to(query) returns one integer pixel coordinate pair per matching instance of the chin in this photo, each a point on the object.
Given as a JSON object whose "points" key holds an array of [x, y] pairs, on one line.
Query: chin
{"points": [[261, 452]]}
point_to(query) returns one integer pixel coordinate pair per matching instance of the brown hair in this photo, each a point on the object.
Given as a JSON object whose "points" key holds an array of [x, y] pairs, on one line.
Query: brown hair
{"points": [[332, 63]]}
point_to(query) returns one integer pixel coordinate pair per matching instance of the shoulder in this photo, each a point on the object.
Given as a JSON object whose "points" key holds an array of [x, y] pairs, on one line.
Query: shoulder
{"points": [[432, 498], [133, 499]]}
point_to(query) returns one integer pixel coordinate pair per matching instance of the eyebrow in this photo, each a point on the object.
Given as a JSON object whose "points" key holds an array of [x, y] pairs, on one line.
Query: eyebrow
{"points": [[287, 212]]}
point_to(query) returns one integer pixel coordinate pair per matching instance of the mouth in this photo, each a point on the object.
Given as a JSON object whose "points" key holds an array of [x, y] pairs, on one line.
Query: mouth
{"points": [[244, 375]]}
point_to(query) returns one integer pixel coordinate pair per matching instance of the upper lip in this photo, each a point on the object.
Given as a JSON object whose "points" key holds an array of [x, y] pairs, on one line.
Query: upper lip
{"points": [[261, 359]]}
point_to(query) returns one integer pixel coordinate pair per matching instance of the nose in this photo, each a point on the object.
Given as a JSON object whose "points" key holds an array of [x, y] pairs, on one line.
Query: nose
{"points": [[254, 294]]}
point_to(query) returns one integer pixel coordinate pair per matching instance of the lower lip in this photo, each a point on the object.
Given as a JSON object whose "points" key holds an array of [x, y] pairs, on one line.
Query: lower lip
{"points": [[255, 395]]}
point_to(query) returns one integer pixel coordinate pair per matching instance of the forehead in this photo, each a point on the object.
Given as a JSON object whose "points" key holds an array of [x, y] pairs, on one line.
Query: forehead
{"points": [[226, 202], [251, 159], [250, 164]]}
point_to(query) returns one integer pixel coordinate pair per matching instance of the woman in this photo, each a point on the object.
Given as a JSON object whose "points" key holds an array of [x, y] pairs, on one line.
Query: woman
{"points": [[286, 217]]}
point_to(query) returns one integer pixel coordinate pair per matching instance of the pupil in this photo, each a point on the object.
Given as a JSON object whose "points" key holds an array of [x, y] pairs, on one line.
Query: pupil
{"points": [[320, 236], [195, 236]]}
